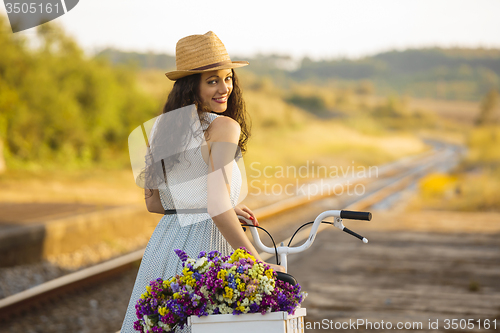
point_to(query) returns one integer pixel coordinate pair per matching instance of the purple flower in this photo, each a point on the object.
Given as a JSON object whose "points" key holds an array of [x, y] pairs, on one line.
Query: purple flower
{"points": [[226, 265], [137, 326], [213, 254], [254, 307], [182, 255]]}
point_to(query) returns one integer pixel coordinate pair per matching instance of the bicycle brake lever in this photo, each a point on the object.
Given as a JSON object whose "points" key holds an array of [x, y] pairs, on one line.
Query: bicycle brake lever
{"points": [[338, 224]]}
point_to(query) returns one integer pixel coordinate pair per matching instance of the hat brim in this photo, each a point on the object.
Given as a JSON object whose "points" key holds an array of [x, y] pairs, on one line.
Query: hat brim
{"points": [[174, 75]]}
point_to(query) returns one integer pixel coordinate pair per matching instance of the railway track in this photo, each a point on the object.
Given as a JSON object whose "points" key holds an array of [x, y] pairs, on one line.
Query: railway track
{"points": [[391, 178]]}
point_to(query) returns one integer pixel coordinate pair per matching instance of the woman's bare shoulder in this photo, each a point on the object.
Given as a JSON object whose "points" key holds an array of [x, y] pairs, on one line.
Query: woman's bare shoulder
{"points": [[224, 128], [225, 121]]}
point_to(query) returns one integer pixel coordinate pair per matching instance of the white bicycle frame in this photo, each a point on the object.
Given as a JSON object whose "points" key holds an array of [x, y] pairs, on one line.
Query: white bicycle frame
{"points": [[284, 251]]}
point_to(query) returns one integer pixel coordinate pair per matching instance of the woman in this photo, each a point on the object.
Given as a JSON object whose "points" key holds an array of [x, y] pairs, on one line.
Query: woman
{"points": [[206, 175]]}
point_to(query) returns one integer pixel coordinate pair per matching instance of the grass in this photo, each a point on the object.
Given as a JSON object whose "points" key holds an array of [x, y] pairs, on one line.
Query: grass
{"points": [[285, 136], [461, 112], [474, 185], [282, 135], [155, 83], [463, 191], [96, 185]]}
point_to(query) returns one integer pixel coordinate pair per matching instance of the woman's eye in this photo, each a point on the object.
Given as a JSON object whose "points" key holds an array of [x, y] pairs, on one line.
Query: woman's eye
{"points": [[229, 78], [212, 82]]}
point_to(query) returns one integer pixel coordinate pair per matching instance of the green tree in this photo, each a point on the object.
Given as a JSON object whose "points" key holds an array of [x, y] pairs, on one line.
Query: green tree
{"points": [[365, 87], [394, 107], [58, 106], [487, 108]]}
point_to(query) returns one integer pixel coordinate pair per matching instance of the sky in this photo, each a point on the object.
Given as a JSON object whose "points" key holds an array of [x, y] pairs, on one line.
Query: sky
{"points": [[317, 29]]}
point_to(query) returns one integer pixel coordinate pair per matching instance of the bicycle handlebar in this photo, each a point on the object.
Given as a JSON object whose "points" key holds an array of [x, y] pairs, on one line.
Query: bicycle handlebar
{"points": [[283, 251]]}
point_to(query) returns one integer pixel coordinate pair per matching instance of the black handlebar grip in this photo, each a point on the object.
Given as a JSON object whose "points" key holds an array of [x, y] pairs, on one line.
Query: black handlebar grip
{"points": [[351, 215]]}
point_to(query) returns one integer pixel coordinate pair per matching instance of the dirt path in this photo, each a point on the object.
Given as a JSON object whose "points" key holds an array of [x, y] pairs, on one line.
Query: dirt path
{"points": [[416, 268]]}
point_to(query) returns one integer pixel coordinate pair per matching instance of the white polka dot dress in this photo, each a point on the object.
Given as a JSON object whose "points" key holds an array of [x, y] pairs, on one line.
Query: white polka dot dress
{"points": [[159, 259]]}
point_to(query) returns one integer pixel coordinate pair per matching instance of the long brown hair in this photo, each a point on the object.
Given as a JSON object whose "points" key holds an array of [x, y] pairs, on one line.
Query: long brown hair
{"points": [[185, 92]]}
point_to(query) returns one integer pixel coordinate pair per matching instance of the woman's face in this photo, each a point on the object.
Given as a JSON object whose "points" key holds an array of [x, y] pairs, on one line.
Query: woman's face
{"points": [[215, 88]]}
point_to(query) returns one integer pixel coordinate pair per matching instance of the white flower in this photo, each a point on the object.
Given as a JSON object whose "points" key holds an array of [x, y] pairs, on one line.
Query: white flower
{"points": [[224, 309], [200, 262], [166, 327], [148, 323], [205, 291]]}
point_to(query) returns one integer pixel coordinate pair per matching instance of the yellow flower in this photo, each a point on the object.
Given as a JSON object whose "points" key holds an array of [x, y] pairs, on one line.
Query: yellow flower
{"points": [[190, 281], [240, 307], [167, 283], [176, 295], [239, 254], [163, 311], [241, 287], [269, 273], [221, 274], [228, 293]]}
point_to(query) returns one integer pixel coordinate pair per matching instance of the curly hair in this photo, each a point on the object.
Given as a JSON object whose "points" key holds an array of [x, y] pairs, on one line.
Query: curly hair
{"points": [[186, 92]]}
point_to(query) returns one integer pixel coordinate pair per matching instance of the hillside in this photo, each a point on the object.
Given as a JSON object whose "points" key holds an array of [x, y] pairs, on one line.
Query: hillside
{"points": [[454, 74]]}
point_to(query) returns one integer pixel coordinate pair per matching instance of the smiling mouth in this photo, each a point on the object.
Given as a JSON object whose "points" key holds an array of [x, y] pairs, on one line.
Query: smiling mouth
{"points": [[220, 99]]}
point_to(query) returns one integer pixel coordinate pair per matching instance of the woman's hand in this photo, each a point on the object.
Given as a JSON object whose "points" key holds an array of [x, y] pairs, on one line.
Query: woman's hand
{"points": [[277, 268], [244, 211]]}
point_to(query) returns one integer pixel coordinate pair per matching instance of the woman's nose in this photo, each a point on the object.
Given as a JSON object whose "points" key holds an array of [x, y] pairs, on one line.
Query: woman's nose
{"points": [[224, 88]]}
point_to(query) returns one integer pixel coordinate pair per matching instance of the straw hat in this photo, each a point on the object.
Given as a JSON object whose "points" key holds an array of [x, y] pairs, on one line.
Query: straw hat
{"points": [[201, 53]]}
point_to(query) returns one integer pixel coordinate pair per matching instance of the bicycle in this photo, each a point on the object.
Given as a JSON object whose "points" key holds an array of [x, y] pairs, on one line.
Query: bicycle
{"points": [[275, 322], [283, 251]]}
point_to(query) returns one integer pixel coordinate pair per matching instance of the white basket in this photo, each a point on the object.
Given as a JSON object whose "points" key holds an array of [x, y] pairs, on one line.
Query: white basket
{"points": [[274, 322]]}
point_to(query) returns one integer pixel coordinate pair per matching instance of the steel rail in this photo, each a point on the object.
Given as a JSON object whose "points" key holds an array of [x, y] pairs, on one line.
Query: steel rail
{"points": [[24, 300]]}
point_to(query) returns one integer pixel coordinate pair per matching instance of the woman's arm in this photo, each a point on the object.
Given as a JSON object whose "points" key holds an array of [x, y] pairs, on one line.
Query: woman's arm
{"points": [[225, 133], [153, 202]]}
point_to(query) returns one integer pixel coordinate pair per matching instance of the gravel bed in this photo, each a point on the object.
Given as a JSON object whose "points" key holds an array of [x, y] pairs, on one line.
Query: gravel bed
{"points": [[98, 309], [18, 278]]}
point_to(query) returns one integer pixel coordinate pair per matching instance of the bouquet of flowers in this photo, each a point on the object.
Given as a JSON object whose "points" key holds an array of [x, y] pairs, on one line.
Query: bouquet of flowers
{"points": [[213, 284]]}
